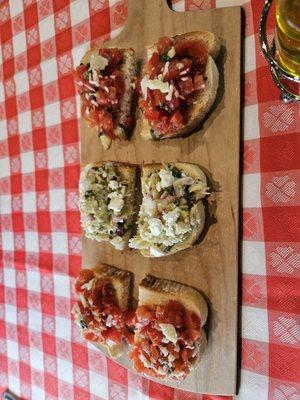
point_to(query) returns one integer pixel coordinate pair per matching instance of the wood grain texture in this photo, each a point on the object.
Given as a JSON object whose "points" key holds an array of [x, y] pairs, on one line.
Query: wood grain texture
{"points": [[211, 265]]}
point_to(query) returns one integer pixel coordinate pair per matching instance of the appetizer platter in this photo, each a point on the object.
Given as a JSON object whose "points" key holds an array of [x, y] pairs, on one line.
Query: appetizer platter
{"points": [[159, 195]]}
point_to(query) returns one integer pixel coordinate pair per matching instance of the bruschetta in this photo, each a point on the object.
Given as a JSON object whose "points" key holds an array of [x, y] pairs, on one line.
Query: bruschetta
{"points": [[106, 202], [102, 307], [104, 82], [179, 84], [169, 337]]}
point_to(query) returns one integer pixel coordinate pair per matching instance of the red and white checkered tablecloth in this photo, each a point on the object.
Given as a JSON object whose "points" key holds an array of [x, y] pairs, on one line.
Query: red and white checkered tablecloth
{"points": [[41, 353]]}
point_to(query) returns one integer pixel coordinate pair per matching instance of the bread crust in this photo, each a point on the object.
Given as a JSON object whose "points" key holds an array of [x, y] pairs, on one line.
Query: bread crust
{"points": [[129, 173], [156, 291], [129, 69], [197, 211], [205, 99]]}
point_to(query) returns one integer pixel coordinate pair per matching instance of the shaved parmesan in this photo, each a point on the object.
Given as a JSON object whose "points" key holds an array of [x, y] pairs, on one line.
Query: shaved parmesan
{"points": [[98, 62], [169, 332], [154, 84], [171, 52]]}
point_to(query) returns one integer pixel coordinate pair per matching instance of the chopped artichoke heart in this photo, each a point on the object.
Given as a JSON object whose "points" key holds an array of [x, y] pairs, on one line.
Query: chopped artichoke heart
{"points": [[102, 195]]}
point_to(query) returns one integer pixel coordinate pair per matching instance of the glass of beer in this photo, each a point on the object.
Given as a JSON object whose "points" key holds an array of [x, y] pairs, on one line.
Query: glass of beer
{"points": [[287, 36]]}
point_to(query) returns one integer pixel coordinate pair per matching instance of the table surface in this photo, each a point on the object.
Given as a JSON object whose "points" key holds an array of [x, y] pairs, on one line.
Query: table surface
{"points": [[41, 353]]}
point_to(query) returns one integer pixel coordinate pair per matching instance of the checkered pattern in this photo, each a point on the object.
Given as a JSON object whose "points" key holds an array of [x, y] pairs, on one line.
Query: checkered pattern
{"points": [[41, 353]]}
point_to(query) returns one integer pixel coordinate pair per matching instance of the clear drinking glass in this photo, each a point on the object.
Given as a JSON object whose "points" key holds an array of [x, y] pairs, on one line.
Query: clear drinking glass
{"points": [[288, 35]]}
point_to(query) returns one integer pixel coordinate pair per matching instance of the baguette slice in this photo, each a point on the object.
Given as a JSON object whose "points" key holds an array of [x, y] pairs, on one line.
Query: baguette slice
{"points": [[155, 291], [127, 173], [121, 281], [129, 69], [204, 100], [197, 211]]}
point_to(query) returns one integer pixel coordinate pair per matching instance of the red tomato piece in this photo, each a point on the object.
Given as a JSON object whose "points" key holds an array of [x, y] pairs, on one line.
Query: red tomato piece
{"points": [[155, 336], [78, 73], [151, 114], [151, 63], [154, 352], [192, 48], [157, 97], [130, 318], [164, 44], [198, 81], [105, 121], [112, 334], [186, 86], [177, 119], [85, 275], [144, 315]]}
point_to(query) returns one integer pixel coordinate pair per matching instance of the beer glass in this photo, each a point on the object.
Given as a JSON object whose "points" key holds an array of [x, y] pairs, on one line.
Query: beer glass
{"points": [[284, 54]]}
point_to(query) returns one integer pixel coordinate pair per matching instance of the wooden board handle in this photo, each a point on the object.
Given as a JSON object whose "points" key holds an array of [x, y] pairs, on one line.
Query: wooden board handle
{"points": [[138, 7]]}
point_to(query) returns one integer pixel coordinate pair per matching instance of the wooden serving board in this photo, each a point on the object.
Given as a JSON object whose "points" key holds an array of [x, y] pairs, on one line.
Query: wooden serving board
{"points": [[212, 265]]}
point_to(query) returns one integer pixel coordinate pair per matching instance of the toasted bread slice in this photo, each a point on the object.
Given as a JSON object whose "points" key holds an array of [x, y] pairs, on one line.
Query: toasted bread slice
{"points": [[127, 174], [196, 212], [204, 100], [155, 291], [129, 69], [121, 281]]}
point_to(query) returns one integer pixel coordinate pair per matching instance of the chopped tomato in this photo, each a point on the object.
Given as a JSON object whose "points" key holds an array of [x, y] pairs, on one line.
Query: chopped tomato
{"points": [[144, 314], [105, 121], [164, 44], [186, 86], [157, 97], [177, 68], [192, 48], [154, 352], [114, 56], [198, 81], [89, 336], [130, 318], [151, 63], [184, 355], [177, 119], [173, 103], [129, 336], [155, 336], [113, 334], [151, 114], [193, 330], [78, 73], [85, 275]]}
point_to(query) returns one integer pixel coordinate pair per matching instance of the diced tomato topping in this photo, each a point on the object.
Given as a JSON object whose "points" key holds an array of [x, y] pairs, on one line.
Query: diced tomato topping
{"points": [[151, 114], [151, 63], [105, 121], [184, 73], [130, 318], [89, 336], [144, 314], [101, 100], [78, 73], [177, 119], [113, 334], [198, 81], [155, 336], [164, 44], [186, 86], [154, 352], [114, 56], [158, 98], [192, 48], [129, 337], [85, 275]]}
